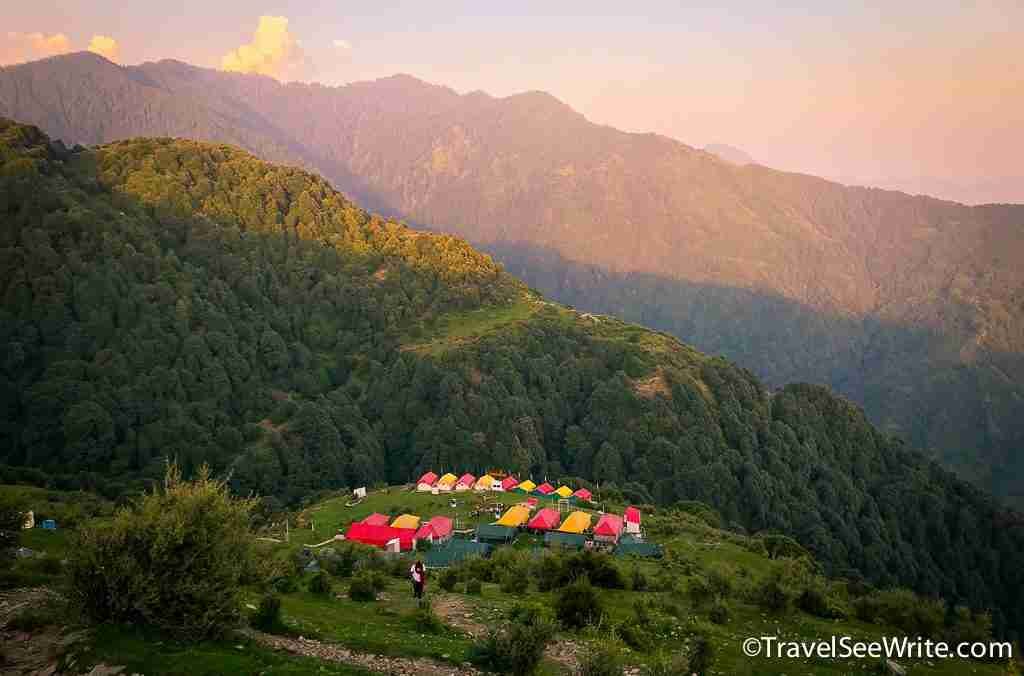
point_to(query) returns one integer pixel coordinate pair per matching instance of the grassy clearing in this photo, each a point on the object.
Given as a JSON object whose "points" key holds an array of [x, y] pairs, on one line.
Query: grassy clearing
{"points": [[458, 328]]}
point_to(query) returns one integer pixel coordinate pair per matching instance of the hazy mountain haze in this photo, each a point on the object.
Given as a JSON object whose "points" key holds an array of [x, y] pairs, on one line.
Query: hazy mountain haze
{"points": [[844, 89]]}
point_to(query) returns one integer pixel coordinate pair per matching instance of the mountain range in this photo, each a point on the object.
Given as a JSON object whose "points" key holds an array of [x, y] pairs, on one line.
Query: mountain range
{"points": [[910, 306], [171, 299]]}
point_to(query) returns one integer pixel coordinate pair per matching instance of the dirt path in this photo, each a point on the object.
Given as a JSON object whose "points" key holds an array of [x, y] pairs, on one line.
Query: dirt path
{"points": [[399, 666]]}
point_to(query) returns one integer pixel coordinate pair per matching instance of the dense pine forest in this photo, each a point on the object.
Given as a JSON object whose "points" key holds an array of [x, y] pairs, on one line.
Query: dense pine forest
{"points": [[173, 299]]}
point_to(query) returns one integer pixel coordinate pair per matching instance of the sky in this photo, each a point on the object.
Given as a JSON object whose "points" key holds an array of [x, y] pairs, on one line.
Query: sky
{"points": [[926, 93]]}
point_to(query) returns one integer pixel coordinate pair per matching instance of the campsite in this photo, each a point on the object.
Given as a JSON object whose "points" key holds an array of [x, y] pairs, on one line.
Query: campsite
{"points": [[650, 608]]}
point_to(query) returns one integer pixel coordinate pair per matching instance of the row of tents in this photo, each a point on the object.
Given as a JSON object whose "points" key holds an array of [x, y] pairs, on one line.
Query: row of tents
{"points": [[430, 482], [400, 533], [609, 527]]}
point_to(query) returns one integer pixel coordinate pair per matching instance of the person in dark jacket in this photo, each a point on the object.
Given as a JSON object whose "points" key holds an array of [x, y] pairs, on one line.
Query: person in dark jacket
{"points": [[418, 574]]}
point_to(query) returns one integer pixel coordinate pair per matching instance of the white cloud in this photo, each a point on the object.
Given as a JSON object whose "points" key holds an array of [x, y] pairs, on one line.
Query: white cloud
{"points": [[274, 51], [20, 47], [105, 46]]}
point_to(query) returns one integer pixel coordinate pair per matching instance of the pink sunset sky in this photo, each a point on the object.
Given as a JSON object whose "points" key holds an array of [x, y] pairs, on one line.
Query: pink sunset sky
{"points": [[923, 96]]}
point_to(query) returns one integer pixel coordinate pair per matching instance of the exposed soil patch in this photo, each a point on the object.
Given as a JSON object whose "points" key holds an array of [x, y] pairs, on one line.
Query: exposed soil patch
{"points": [[652, 385], [400, 666], [453, 611]]}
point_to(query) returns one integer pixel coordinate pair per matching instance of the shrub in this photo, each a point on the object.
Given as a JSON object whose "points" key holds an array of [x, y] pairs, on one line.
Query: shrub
{"points": [[448, 579], [699, 590], [549, 572], [578, 605], [515, 647], [815, 600], [286, 584], [173, 560], [720, 582], [636, 636], [268, 615], [668, 665], [474, 586], [719, 612], [903, 609], [637, 579], [514, 582], [362, 588], [702, 654], [425, 618], [597, 567], [773, 596], [321, 583], [602, 661]]}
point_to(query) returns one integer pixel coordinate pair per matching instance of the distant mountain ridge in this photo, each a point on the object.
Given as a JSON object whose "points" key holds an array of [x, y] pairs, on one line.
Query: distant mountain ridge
{"points": [[911, 306], [729, 153]]}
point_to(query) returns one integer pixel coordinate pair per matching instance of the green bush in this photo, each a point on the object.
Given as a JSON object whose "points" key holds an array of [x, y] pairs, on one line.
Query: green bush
{"points": [[597, 567], [636, 636], [173, 560], [361, 588], [320, 583], [604, 660], [286, 584], [515, 647], [578, 605], [549, 572], [903, 609], [669, 665], [514, 582], [773, 596], [474, 586], [699, 590], [701, 655], [448, 578], [268, 615], [720, 582], [719, 612], [816, 600], [637, 580], [425, 619]]}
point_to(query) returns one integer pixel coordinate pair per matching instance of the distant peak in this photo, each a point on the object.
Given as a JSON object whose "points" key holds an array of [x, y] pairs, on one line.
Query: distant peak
{"points": [[730, 154]]}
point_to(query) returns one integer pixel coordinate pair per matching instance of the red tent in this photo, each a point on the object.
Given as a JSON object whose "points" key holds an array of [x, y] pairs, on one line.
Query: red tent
{"points": [[545, 489], [608, 528], [532, 502], [442, 527], [545, 519], [466, 480], [428, 479], [509, 483], [438, 529], [583, 494], [377, 519], [632, 515], [379, 536]]}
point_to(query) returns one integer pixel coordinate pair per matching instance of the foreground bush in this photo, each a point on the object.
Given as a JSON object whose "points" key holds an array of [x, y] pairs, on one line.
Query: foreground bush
{"points": [[321, 583], [363, 587], [601, 661], [268, 615], [578, 604], [515, 647], [173, 560]]}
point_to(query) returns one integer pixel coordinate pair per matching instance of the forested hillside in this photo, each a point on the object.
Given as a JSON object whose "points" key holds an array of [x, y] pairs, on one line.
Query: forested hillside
{"points": [[910, 306], [168, 298]]}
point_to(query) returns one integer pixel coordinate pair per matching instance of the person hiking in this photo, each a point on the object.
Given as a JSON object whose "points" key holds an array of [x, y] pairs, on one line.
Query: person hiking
{"points": [[419, 579]]}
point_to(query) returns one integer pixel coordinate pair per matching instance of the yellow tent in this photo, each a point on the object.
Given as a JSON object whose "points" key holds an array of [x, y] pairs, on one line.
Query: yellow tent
{"points": [[564, 491], [406, 521], [515, 516], [577, 522], [526, 486], [484, 483], [447, 482]]}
